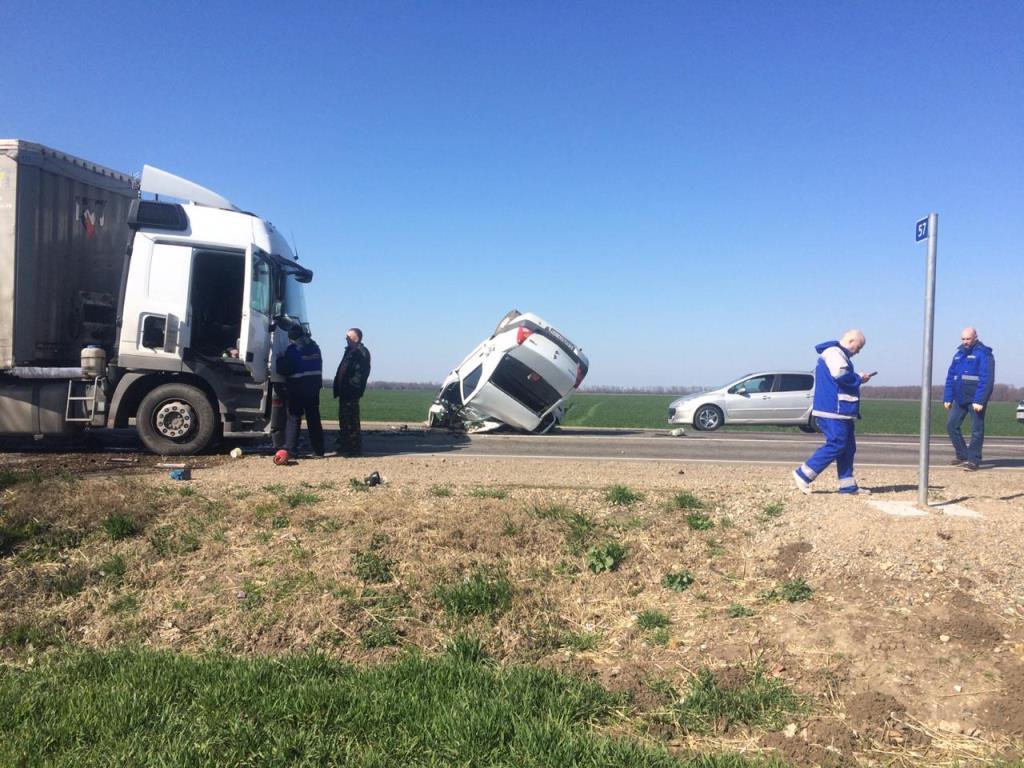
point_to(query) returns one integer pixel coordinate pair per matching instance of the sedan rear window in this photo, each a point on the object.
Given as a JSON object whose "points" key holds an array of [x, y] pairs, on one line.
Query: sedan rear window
{"points": [[524, 385], [796, 382]]}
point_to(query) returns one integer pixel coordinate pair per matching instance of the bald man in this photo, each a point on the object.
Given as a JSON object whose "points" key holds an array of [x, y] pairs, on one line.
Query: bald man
{"points": [[836, 408], [968, 388]]}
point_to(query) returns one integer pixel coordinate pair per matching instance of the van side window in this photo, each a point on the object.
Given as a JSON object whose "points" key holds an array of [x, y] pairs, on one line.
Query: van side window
{"points": [[259, 295], [796, 382]]}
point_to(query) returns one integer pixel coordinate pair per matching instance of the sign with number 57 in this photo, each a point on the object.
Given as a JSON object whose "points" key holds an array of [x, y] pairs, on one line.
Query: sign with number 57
{"points": [[922, 230]]}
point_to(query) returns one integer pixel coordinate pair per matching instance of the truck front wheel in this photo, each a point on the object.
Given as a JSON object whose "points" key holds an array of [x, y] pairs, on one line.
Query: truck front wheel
{"points": [[176, 420]]}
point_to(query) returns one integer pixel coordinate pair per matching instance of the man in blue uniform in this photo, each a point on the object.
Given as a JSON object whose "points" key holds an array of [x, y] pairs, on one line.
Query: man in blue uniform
{"points": [[968, 388], [302, 365], [836, 408]]}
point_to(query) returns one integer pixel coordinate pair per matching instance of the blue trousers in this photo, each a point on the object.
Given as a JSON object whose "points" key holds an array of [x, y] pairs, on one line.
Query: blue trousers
{"points": [[957, 414], [840, 447]]}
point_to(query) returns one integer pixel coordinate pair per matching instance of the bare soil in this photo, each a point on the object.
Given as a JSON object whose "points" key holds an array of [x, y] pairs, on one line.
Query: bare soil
{"points": [[910, 650]]}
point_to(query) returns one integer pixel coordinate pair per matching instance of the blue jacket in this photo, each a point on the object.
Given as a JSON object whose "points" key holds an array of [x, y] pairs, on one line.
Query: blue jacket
{"points": [[302, 365], [836, 384], [971, 375]]}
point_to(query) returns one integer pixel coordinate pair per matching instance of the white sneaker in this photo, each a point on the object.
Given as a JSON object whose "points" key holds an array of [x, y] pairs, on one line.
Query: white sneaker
{"points": [[801, 485], [857, 492]]}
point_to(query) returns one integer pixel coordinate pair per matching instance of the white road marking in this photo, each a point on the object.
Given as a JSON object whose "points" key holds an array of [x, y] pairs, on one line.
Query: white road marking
{"points": [[795, 440], [909, 509], [672, 459]]}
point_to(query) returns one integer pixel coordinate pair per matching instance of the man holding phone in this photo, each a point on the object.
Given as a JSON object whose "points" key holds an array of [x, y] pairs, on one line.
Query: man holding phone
{"points": [[836, 407]]}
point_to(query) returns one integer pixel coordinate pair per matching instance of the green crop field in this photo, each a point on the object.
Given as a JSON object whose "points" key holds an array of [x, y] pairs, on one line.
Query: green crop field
{"points": [[897, 417]]}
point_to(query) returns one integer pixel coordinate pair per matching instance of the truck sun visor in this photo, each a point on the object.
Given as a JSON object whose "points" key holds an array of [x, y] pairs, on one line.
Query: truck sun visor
{"points": [[290, 267]]}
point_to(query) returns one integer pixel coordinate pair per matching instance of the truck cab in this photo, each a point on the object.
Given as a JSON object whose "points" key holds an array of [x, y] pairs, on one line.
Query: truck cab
{"points": [[203, 287]]}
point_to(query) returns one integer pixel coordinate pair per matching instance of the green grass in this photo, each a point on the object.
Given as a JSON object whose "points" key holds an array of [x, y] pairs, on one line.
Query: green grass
{"points": [[467, 648], [384, 405], [698, 521], [898, 417], [677, 581], [119, 526], [372, 567], [715, 701], [652, 620], [605, 557], [113, 568], [484, 592], [26, 635], [481, 492], [792, 591], [737, 611], [300, 498], [686, 500], [142, 707], [9, 477], [622, 496]]}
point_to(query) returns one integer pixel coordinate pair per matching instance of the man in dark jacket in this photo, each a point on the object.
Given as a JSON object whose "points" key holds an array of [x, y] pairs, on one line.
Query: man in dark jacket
{"points": [[968, 387], [349, 386], [302, 366]]}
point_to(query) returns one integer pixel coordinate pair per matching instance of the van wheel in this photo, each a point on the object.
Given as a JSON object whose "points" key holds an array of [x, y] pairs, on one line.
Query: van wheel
{"points": [[708, 418], [176, 420]]}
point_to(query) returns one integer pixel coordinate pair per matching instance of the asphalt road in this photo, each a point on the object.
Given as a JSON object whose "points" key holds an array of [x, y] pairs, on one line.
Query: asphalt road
{"points": [[784, 448], [656, 445]]}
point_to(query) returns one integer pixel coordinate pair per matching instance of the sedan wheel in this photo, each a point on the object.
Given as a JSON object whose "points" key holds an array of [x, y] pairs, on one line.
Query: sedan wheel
{"points": [[708, 418]]}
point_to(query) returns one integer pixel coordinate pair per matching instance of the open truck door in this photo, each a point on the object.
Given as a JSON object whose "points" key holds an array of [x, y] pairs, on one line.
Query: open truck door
{"points": [[257, 303]]}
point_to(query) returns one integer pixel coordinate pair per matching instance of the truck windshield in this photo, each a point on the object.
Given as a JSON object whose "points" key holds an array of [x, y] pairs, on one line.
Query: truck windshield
{"points": [[293, 302]]}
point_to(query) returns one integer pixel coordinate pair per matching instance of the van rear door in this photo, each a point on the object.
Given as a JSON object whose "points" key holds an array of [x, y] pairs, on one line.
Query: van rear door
{"points": [[254, 344]]}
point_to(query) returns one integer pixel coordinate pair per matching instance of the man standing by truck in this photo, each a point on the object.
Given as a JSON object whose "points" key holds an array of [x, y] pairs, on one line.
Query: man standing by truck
{"points": [[349, 386], [302, 365], [969, 384]]}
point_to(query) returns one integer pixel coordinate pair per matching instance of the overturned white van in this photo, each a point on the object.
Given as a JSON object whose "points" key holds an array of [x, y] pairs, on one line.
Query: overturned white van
{"points": [[518, 377]]}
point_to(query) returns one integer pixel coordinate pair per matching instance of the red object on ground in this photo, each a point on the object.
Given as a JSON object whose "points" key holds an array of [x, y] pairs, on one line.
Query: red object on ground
{"points": [[281, 457]]}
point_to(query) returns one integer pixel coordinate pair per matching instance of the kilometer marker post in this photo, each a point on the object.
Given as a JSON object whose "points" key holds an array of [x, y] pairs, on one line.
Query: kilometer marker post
{"points": [[927, 229]]}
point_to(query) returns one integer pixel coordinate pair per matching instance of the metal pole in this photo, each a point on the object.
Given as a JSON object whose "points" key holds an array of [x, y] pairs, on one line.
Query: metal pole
{"points": [[926, 366]]}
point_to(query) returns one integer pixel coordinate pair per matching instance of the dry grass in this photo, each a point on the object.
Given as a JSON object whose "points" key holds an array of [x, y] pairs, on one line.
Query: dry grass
{"points": [[306, 563]]}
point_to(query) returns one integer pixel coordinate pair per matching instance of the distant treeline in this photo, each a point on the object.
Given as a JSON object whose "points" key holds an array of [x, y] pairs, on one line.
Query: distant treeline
{"points": [[1000, 392]]}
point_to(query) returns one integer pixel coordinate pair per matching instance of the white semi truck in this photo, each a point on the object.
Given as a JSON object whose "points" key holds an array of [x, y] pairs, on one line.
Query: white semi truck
{"points": [[120, 307]]}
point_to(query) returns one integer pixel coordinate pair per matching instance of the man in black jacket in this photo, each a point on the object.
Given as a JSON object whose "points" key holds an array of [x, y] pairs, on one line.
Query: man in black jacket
{"points": [[349, 386]]}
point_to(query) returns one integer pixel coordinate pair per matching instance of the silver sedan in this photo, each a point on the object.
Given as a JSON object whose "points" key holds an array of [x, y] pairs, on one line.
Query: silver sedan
{"points": [[769, 397]]}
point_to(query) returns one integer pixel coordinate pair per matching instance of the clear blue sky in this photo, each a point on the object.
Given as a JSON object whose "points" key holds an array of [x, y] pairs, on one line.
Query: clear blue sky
{"points": [[687, 190]]}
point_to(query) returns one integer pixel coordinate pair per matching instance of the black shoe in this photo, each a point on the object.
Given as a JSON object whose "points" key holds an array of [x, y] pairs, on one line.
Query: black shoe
{"points": [[970, 466], [957, 462]]}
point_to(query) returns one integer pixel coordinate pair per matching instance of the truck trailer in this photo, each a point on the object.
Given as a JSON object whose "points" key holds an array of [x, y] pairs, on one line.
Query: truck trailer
{"points": [[152, 303]]}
